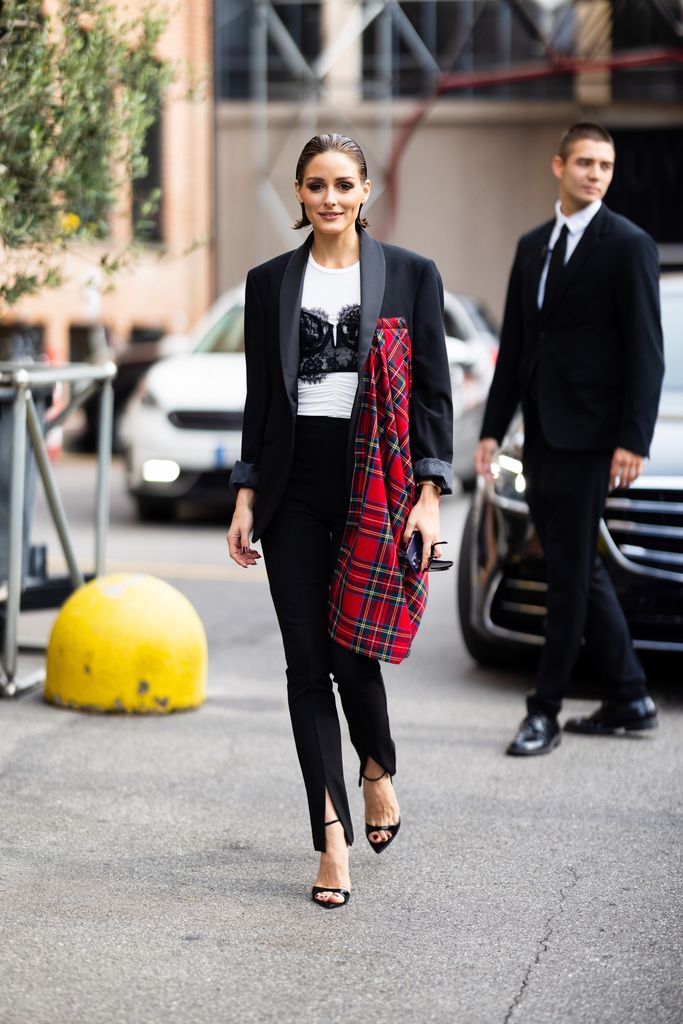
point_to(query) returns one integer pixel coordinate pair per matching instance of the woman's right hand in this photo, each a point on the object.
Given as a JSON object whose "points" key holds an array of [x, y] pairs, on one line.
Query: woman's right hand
{"points": [[240, 529]]}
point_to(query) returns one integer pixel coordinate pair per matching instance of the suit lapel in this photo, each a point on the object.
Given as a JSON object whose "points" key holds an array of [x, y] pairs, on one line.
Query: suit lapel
{"points": [[290, 318], [534, 269], [590, 239], [372, 278]]}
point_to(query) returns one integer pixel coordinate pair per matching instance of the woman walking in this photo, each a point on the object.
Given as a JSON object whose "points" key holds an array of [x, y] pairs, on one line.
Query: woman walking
{"points": [[346, 447]]}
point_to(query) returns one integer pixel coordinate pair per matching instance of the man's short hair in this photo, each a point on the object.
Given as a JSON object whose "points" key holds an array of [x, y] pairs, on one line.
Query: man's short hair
{"points": [[583, 130]]}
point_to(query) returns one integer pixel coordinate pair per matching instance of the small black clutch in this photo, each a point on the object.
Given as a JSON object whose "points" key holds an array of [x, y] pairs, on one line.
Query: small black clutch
{"points": [[413, 553]]}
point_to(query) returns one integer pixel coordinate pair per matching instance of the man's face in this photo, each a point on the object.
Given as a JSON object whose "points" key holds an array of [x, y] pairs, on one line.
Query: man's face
{"points": [[585, 175]]}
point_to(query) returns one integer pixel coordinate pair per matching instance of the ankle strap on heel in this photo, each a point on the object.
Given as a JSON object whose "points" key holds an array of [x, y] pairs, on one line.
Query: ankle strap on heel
{"points": [[368, 778]]}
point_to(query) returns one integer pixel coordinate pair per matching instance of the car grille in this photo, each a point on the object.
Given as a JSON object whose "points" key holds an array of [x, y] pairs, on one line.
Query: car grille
{"points": [[519, 605], [655, 617], [206, 420], [647, 528]]}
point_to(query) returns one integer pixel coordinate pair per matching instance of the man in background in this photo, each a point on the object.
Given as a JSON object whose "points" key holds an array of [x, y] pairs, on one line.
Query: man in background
{"points": [[581, 349]]}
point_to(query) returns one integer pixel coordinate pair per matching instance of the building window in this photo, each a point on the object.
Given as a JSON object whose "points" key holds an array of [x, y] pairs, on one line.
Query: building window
{"points": [[267, 49], [147, 223], [145, 335], [82, 343], [410, 46], [280, 39], [21, 341], [651, 25], [232, 27]]}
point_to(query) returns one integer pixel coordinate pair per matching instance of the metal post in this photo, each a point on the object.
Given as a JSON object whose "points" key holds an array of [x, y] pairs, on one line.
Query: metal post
{"points": [[77, 398], [103, 472], [259, 113], [52, 494], [25, 418], [15, 531]]}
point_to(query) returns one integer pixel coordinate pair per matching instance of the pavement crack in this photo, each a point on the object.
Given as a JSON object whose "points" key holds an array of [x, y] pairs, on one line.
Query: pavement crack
{"points": [[543, 943]]}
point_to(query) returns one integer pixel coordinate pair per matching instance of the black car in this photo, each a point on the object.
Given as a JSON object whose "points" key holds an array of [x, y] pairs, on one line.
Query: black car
{"points": [[501, 574]]}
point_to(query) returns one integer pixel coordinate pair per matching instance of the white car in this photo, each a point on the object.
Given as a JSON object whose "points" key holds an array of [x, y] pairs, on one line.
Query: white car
{"points": [[181, 429]]}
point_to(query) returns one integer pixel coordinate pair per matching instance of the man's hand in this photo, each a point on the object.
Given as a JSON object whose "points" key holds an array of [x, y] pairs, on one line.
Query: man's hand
{"points": [[626, 467], [483, 456]]}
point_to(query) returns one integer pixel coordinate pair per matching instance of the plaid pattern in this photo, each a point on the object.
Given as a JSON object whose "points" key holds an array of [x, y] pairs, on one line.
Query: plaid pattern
{"points": [[376, 599]]}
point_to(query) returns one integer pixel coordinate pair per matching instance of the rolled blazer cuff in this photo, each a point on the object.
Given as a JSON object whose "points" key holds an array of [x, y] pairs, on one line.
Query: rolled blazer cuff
{"points": [[245, 474], [434, 469]]}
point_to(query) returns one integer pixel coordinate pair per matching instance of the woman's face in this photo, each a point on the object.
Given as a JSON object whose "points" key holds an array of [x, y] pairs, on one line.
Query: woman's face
{"points": [[332, 192]]}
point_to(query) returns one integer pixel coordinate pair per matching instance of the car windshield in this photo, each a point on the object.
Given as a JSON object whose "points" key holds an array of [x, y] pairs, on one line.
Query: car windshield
{"points": [[672, 325], [227, 334]]}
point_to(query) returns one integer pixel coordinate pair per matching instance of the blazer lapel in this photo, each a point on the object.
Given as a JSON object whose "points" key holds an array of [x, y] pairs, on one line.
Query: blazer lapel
{"points": [[290, 318], [372, 277], [591, 237]]}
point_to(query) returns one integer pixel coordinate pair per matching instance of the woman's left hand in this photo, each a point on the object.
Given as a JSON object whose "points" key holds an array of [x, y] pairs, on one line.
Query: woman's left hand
{"points": [[424, 516]]}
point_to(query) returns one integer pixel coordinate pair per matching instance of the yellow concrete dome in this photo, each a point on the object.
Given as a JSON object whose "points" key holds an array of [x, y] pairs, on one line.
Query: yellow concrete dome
{"points": [[127, 643]]}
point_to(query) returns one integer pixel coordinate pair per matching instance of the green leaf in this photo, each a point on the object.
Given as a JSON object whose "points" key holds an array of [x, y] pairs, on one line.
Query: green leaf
{"points": [[75, 107]]}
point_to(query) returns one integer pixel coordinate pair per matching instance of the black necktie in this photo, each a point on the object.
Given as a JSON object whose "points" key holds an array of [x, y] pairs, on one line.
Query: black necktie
{"points": [[555, 267]]}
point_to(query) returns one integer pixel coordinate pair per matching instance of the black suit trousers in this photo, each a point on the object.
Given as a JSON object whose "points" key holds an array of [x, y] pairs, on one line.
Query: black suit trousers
{"points": [[300, 547], [566, 492]]}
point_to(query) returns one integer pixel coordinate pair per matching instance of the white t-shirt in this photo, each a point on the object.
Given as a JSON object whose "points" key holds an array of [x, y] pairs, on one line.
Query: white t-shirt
{"points": [[328, 356]]}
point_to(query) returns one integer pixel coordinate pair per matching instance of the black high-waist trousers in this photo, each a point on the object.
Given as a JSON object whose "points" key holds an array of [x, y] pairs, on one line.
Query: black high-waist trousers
{"points": [[566, 494], [300, 548]]}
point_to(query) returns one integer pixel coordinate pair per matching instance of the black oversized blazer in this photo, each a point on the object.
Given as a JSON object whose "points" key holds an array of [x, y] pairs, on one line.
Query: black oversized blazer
{"points": [[597, 350], [394, 283]]}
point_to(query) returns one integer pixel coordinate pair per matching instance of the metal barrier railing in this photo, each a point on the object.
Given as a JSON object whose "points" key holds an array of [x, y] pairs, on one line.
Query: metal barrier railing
{"points": [[16, 384]]}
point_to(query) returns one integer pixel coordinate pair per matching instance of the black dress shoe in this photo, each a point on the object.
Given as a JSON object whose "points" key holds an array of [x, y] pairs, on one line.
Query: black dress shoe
{"points": [[615, 715], [538, 734]]}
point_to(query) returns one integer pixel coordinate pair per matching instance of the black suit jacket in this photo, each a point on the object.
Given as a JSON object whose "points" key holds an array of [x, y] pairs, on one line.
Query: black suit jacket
{"points": [[596, 353], [394, 282]]}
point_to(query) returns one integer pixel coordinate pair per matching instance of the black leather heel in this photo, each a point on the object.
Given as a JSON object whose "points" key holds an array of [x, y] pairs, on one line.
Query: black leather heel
{"points": [[369, 829], [323, 888]]}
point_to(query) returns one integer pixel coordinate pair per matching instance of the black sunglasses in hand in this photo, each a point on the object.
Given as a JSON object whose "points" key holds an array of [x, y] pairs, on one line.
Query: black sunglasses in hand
{"points": [[413, 554], [438, 564]]}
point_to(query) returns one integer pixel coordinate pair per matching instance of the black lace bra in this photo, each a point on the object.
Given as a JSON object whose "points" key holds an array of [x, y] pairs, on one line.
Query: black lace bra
{"points": [[324, 348]]}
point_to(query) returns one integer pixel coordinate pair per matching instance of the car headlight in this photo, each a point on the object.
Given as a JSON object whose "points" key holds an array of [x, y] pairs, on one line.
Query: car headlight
{"points": [[508, 477], [160, 471]]}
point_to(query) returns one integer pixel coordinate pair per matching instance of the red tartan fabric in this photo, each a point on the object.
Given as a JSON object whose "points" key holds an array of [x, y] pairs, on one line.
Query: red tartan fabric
{"points": [[376, 599]]}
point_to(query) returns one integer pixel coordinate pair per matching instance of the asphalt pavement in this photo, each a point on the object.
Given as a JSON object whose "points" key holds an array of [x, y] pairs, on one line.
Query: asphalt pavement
{"points": [[157, 870]]}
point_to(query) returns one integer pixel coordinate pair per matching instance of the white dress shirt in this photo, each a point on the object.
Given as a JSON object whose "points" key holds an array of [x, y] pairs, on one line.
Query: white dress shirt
{"points": [[576, 225]]}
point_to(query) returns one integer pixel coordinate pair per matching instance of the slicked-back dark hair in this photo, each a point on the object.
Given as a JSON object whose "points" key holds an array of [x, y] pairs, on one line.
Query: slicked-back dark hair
{"points": [[583, 130], [331, 142]]}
